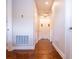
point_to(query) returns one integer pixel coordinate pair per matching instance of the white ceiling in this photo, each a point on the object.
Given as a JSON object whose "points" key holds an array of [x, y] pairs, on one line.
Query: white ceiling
{"points": [[44, 6]]}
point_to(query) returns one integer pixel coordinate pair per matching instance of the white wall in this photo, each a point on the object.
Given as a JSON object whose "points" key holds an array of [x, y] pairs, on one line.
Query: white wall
{"points": [[20, 26], [23, 26], [61, 24], [58, 35]]}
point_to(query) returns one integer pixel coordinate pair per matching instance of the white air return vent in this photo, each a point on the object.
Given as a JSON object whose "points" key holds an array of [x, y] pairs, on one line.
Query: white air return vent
{"points": [[22, 40]]}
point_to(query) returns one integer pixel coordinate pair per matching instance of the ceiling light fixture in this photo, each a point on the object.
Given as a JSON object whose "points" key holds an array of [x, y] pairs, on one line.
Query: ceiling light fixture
{"points": [[46, 3]]}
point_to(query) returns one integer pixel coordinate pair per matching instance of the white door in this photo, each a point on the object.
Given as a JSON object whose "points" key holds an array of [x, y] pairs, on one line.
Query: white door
{"points": [[68, 29], [44, 28]]}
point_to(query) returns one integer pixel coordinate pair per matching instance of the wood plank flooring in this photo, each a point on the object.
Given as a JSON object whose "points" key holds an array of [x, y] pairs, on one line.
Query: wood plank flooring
{"points": [[27, 54], [31, 54], [45, 50]]}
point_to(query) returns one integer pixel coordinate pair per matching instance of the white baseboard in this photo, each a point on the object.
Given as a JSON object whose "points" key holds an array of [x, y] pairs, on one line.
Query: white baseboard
{"points": [[20, 48], [10, 49], [23, 47], [59, 51]]}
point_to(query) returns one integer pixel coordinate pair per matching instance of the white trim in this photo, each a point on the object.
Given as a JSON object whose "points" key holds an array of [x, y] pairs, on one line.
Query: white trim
{"points": [[59, 51], [23, 47], [10, 49]]}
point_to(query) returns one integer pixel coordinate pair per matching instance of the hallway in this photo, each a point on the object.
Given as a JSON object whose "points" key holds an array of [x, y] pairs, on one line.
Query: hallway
{"points": [[29, 21]]}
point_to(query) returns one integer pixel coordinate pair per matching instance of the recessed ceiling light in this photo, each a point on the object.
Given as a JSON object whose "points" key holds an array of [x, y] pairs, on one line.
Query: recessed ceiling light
{"points": [[46, 3]]}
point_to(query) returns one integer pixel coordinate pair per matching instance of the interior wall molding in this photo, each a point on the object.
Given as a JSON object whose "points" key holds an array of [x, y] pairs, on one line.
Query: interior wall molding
{"points": [[59, 51]]}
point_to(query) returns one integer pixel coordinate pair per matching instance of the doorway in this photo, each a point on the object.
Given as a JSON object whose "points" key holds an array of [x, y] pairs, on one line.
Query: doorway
{"points": [[44, 27]]}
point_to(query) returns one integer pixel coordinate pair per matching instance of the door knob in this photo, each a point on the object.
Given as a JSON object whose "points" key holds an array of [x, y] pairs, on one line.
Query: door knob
{"points": [[70, 28]]}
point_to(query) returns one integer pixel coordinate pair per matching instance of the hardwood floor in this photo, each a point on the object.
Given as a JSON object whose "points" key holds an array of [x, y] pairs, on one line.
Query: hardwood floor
{"points": [[20, 54], [46, 52], [24, 54], [29, 54], [10, 55]]}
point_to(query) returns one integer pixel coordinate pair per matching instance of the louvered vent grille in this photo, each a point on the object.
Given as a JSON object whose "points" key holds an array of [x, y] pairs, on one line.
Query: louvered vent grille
{"points": [[22, 40]]}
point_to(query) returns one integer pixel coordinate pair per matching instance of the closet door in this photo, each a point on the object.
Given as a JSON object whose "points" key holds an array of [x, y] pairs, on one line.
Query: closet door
{"points": [[68, 29]]}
